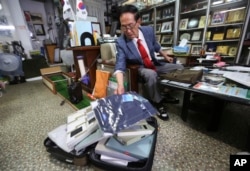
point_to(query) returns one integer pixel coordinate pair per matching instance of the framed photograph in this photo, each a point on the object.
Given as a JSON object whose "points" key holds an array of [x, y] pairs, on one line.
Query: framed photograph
{"points": [[195, 49], [158, 28], [96, 26], [183, 24], [235, 16], [158, 37], [202, 22], [218, 18], [208, 35], [158, 14], [232, 51], [36, 18], [145, 17], [165, 39], [196, 36], [233, 33], [168, 12], [218, 36], [166, 26], [223, 50], [39, 30]]}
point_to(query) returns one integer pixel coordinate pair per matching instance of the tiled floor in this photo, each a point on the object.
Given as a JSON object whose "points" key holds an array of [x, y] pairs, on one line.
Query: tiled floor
{"points": [[28, 111]]}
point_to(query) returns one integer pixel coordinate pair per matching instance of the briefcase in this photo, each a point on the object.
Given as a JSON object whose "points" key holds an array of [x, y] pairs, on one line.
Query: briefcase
{"points": [[184, 76], [141, 165]]}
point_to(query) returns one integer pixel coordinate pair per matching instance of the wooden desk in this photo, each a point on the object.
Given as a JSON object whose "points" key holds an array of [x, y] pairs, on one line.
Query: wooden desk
{"points": [[90, 55]]}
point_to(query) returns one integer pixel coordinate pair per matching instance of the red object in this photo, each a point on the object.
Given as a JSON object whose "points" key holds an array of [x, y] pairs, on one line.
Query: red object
{"points": [[147, 62]]}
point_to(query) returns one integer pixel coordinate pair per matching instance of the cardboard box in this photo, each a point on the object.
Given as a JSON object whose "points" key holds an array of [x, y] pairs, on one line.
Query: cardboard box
{"points": [[48, 72]]}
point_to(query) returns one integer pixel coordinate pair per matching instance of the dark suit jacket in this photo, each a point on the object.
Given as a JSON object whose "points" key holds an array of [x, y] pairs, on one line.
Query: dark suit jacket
{"points": [[127, 52]]}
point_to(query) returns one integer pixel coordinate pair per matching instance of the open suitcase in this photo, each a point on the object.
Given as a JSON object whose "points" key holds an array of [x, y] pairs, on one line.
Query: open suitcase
{"points": [[142, 165], [71, 158], [89, 155]]}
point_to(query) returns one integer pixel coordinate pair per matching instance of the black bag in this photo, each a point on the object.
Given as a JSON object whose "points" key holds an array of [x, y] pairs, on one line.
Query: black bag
{"points": [[75, 92], [184, 76]]}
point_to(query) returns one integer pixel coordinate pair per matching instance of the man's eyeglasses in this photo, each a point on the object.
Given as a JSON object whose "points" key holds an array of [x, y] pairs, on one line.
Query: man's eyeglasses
{"points": [[128, 27]]}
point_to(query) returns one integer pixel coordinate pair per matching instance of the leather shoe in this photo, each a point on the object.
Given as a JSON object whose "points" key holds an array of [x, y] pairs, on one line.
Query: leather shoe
{"points": [[162, 113], [170, 99]]}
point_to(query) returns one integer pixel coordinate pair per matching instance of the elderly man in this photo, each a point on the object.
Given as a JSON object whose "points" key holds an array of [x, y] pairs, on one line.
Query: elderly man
{"points": [[137, 45]]}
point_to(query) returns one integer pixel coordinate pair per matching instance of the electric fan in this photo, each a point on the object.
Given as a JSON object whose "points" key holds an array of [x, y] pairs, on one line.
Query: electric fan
{"points": [[11, 66]]}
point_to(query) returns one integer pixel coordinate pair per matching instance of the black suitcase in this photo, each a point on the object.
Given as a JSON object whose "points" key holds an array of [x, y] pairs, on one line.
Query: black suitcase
{"points": [[71, 158], [75, 92], [89, 156], [142, 165]]}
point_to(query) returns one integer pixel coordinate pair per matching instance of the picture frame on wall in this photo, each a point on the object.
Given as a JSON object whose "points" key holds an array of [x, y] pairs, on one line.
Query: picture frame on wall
{"points": [[166, 26], [166, 39], [218, 18], [36, 18], [39, 29], [183, 24], [145, 17], [96, 26]]}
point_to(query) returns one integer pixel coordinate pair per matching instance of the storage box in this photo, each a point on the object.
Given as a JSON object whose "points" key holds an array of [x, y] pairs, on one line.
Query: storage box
{"points": [[48, 72]]}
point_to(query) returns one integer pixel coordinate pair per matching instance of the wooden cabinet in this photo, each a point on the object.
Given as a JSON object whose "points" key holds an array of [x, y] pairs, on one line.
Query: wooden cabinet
{"points": [[90, 55]]}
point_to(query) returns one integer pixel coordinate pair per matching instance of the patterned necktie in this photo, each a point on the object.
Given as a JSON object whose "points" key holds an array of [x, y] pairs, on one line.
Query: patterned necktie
{"points": [[147, 62]]}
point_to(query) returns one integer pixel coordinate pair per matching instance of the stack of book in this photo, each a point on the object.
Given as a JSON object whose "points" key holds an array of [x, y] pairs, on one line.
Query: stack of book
{"points": [[78, 127], [129, 145]]}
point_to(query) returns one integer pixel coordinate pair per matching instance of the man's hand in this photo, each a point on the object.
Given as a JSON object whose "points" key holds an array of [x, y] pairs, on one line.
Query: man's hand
{"points": [[169, 59], [119, 90]]}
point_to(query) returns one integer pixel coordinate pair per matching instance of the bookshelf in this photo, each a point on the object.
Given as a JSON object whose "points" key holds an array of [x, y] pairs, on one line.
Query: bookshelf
{"points": [[214, 25]]}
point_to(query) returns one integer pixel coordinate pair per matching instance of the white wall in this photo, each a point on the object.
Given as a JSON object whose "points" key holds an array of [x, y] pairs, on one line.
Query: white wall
{"points": [[22, 32], [7, 34]]}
